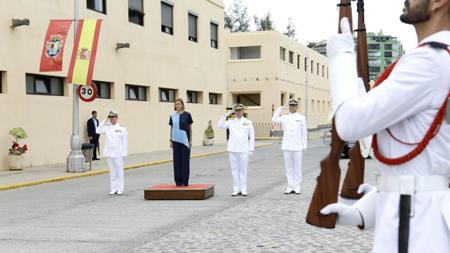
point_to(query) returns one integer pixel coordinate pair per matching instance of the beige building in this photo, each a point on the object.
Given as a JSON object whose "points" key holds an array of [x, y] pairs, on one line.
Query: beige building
{"points": [[266, 69], [176, 49]]}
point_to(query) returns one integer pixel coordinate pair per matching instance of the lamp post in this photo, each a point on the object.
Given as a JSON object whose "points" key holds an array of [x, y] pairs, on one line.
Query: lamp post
{"points": [[75, 160]]}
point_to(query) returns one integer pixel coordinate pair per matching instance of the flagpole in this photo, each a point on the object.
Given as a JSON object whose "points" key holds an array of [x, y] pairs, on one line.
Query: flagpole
{"points": [[75, 160]]}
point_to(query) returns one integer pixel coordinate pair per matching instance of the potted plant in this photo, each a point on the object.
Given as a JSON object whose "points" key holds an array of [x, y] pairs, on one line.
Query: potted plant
{"points": [[16, 152], [209, 135]]}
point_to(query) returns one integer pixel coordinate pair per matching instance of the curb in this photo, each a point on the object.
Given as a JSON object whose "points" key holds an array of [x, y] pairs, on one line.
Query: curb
{"points": [[104, 171]]}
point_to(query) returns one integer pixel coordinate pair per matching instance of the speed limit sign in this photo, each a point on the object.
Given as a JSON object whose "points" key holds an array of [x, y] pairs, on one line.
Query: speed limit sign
{"points": [[87, 93]]}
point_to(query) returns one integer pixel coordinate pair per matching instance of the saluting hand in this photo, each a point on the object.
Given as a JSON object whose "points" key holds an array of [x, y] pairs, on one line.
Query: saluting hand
{"points": [[229, 113]]}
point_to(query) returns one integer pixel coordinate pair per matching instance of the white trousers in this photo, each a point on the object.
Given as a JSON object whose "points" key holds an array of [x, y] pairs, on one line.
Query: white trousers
{"points": [[293, 166], [116, 177], [238, 165]]}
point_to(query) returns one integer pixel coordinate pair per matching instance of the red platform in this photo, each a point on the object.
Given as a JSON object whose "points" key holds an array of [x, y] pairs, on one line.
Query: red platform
{"points": [[173, 192]]}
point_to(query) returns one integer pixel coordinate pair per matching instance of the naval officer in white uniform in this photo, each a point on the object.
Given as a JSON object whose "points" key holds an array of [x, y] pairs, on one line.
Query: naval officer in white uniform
{"points": [[410, 207], [116, 148], [241, 144], [294, 142]]}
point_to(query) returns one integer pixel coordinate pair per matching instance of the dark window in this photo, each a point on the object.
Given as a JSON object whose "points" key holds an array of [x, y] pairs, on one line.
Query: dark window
{"points": [[312, 67], [374, 46], [1, 82], [135, 92], [136, 12], [323, 71], [166, 18], [214, 35], [374, 69], [193, 97], [192, 21], [291, 57], [44, 85], [167, 95], [245, 53], [97, 5], [388, 46], [214, 98], [298, 61], [388, 54], [318, 68], [306, 64], [282, 53], [103, 89]]}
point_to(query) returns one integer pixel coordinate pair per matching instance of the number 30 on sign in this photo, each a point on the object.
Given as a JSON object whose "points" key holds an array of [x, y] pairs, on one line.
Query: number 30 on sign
{"points": [[87, 93]]}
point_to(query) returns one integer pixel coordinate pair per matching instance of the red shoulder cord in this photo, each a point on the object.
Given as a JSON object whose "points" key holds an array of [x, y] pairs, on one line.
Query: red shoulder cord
{"points": [[431, 133]]}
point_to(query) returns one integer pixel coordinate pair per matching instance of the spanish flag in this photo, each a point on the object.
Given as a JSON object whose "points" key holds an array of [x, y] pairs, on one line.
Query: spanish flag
{"points": [[84, 51]]}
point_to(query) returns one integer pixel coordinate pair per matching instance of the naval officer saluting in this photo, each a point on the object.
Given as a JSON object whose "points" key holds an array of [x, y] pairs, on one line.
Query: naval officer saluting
{"points": [[116, 149], [241, 144], [294, 142]]}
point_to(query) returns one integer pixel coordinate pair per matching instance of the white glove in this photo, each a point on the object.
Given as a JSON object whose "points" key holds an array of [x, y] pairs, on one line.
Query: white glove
{"points": [[286, 105], [342, 65], [229, 113], [346, 215], [365, 188]]}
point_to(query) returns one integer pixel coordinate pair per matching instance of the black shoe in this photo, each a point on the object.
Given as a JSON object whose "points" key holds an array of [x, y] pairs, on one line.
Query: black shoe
{"points": [[95, 159], [292, 191]]}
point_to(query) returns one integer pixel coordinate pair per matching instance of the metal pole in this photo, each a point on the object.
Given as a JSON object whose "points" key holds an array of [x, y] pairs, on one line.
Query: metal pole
{"points": [[306, 87], [75, 160]]}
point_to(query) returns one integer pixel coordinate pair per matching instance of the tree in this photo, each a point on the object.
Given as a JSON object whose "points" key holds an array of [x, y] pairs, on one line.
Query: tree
{"points": [[236, 17], [264, 23], [290, 29]]}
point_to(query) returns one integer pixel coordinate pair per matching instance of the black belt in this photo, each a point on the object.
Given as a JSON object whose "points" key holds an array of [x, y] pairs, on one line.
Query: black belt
{"points": [[403, 228]]}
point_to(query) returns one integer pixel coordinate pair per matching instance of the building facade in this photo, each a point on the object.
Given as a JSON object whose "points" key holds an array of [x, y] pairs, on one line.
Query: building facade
{"points": [[265, 69], [383, 50], [176, 50]]}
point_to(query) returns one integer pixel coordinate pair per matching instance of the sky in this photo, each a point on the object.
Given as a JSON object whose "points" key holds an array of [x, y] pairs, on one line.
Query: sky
{"points": [[316, 20]]}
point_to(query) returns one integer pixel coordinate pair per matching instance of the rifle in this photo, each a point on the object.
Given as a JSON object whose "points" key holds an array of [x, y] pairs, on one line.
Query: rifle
{"points": [[355, 173], [327, 187]]}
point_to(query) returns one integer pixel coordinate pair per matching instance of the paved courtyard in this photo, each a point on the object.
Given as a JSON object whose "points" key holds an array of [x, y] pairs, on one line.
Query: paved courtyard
{"points": [[79, 216]]}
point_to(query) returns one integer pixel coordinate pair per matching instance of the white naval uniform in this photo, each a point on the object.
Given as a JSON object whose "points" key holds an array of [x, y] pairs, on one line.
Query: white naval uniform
{"points": [[241, 142], [116, 147], [407, 103], [294, 142]]}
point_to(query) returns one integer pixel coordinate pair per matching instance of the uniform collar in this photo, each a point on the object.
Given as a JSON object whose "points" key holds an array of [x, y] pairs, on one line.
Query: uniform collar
{"points": [[442, 36]]}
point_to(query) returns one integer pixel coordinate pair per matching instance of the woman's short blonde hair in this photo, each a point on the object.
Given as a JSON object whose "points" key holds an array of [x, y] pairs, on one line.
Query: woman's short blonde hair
{"points": [[178, 100]]}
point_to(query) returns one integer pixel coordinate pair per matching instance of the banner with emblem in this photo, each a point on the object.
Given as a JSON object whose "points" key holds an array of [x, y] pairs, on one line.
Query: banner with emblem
{"points": [[84, 51], [53, 51]]}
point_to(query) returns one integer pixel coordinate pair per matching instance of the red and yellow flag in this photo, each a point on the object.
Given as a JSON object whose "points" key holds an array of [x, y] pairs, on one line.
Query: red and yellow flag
{"points": [[53, 51], [84, 51]]}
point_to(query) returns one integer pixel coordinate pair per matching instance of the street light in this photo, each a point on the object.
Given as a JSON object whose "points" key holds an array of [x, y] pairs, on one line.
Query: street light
{"points": [[19, 22]]}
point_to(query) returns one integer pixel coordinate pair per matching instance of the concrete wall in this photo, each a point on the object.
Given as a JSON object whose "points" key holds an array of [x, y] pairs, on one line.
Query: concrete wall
{"points": [[155, 59]]}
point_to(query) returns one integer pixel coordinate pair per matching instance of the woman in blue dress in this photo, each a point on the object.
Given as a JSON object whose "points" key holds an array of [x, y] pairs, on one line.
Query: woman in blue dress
{"points": [[181, 142]]}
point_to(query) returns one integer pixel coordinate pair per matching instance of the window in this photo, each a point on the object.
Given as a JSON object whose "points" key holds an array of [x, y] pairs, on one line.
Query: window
{"points": [[167, 95], [306, 64], [167, 18], [298, 61], [136, 12], [312, 66], [194, 97], [215, 98], [388, 54], [214, 35], [1, 82], [103, 89], [318, 65], [248, 99], [374, 63], [291, 57], [97, 5], [374, 69], [374, 54], [245, 53], [283, 99], [323, 70], [374, 46], [192, 21], [282, 53], [135, 92], [44, 85], [388, 46]]}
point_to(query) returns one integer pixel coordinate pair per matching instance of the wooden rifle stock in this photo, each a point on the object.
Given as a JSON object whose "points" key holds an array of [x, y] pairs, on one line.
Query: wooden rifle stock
{"points": [[327, 187], [355, 173]]}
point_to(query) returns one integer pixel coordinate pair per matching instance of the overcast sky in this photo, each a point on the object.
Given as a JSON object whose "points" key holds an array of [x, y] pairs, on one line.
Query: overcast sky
{"points": [[315, 20]]}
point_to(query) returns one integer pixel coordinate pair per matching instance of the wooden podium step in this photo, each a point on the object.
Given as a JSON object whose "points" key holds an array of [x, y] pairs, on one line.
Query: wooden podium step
{"points": [[173, 192]]}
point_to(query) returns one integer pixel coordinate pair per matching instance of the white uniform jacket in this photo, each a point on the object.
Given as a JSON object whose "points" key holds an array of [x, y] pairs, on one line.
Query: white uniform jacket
{"points": [[116, 144], [295, 133], [407, 103], [242, 134]]}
